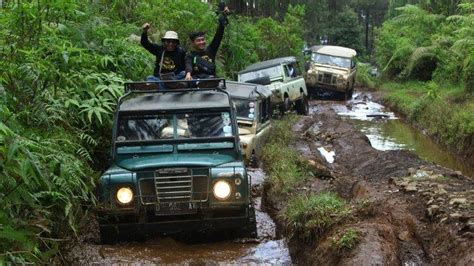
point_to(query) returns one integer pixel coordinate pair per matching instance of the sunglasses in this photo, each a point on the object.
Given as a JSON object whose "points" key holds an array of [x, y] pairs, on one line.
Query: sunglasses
{"points": [[171, 41]]}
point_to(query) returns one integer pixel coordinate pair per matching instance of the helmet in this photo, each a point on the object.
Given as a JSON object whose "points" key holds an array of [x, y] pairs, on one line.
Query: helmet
{"points": [[170, 35]]}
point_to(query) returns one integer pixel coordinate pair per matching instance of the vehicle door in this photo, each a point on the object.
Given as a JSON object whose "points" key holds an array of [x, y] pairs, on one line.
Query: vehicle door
{"points": [[353, 71], [263, 123], [292, 80]]}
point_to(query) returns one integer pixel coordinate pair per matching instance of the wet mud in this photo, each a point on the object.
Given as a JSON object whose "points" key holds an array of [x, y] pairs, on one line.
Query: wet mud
{"points": [[408, 210], [189, 249]]}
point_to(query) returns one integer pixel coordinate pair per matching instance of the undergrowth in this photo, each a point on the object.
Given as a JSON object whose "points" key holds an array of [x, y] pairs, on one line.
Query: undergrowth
{"points": [[444, 112], [312, 214], [282, 163], [347, 240]]}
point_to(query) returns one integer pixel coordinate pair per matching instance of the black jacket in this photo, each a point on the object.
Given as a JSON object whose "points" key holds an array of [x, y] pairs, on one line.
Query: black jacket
{"points": [[172, 61], [203, 63]]}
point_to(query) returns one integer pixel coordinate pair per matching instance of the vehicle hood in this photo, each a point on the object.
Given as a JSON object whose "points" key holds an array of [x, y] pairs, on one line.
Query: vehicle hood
{"points": [[174, 160], [330, 69]]}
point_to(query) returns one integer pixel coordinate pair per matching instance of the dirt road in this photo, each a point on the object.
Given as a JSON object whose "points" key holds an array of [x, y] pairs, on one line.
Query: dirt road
{"points": [[408, 211]]}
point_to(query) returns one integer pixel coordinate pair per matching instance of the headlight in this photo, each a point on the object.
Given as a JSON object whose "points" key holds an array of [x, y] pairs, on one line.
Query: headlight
{"points": [[124, 195], [221, 190]]}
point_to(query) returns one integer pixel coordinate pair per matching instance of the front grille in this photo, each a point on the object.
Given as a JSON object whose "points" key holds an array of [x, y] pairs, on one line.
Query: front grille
{"points": [[327, 78], [174, 185]]}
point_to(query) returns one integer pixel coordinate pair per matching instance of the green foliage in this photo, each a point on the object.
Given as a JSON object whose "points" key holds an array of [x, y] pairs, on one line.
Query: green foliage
{"points": [[419, 44], [63, 66], [445, 112], [283, 164], [344, 31], [347, 240], [363, 77], [312, 214]]}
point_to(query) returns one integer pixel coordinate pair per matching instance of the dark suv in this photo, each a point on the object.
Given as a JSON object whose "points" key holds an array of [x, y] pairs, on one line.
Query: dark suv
{"points": [[177, 165]]}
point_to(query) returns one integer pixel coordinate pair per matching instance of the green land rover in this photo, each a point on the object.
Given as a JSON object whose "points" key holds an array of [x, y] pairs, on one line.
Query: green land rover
{"points": [[177, 165]]}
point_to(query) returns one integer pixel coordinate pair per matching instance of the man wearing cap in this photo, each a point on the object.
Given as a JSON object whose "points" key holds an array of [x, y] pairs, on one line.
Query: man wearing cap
{"points": [[170, 57], [200, 63]]}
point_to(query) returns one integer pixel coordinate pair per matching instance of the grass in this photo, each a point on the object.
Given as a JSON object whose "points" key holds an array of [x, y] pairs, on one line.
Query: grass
{"points": [[315, 212], [444, 112], [347, 240], [283, 164]]}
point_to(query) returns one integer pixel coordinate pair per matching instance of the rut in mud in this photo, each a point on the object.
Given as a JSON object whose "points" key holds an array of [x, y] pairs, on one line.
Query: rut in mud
{"points": [[408, 211], [193, 249]]}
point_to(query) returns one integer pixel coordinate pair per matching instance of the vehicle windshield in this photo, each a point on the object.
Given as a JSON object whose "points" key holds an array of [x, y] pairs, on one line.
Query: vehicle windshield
{"points": [[245, 109], [271, 72], [331, 60], [145, 127], [177, 126]]}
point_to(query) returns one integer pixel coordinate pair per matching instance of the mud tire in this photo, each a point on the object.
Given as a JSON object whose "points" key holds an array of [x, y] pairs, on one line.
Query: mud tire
{"points": [[109, 235], [253, 160], [302, 106], [250, 229], [285, 106]]}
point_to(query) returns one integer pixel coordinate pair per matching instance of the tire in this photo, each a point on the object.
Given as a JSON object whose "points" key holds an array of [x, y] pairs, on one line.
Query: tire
{"points": [[286, 104], [302, 106], [109, 235], [253, 160], [250, 229]]}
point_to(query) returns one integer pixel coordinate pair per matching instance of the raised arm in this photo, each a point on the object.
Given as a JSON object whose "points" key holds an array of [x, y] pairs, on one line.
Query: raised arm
{"points": [[216, 41], [151, 47]]}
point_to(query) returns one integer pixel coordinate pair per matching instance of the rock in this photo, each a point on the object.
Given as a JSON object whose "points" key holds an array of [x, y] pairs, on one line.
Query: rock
{"points": [[317, 168], [458, 173], [430, 201], [433, 210], [457, 201], [411, 188], [404, 236], [455, 215], [420, 174], [411, 171], [440, 191], [402, 183]]}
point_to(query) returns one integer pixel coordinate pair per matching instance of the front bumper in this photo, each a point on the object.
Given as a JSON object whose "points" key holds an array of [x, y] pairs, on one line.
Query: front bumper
{"points": [[214, 219], [312, 82]]}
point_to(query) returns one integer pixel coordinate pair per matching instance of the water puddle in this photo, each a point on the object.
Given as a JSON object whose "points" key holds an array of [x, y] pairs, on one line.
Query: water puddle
{"points": [[386, 132], [267, 249]]}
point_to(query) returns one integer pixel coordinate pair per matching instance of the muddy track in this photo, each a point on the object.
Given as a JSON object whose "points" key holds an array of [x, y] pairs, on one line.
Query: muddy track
{"points": [[413, 212], [212, 248]]}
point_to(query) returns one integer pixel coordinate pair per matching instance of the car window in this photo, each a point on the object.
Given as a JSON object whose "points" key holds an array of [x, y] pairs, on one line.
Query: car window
{"points": [[245, 109], [331, 60], [265, 110], [271, 72], [204, 125], [291, 70], [149, 127]]}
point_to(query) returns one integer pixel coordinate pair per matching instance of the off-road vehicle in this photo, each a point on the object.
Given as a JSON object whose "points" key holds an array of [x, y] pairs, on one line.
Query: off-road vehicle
{"points": [[177, 165], [283, 77], [331, 68], [253, 106]]}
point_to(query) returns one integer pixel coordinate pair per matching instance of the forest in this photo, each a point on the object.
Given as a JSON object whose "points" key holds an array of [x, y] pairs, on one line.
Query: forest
{"points": [[64, 62]]}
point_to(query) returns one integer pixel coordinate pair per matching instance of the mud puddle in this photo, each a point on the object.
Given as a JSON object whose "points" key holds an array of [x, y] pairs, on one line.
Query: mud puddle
{"points": [[266, 249], [387, 132]]}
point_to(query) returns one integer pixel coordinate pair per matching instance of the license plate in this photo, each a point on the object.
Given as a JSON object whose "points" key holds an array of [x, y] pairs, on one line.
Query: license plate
{"points": [[175, 208]]}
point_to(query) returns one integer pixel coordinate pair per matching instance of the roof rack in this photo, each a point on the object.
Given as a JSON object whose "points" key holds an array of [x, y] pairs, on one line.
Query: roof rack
{"points": [[175, 85]]}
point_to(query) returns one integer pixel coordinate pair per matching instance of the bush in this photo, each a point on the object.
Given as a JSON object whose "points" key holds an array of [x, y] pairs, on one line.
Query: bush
{"points": [[315, 213]]}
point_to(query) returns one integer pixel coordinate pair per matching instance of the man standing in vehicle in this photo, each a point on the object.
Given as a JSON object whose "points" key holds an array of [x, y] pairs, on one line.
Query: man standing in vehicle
{"points": [[170, 57], [200, 63]]}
